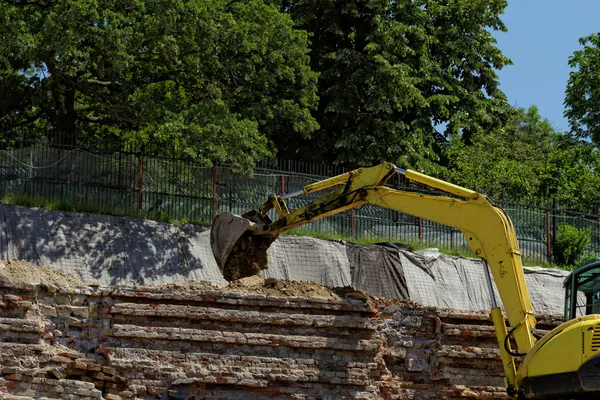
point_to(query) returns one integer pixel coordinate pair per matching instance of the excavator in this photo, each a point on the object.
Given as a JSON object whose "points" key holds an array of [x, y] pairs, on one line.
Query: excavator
{"points": [[563, 364]]}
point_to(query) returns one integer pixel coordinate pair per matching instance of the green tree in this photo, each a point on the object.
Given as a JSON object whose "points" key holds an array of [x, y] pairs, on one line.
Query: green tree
{"points": [[216, 80], [571, 245], [582, 101], [528, 161], [572, 176], [394, 71], [510, 163]]}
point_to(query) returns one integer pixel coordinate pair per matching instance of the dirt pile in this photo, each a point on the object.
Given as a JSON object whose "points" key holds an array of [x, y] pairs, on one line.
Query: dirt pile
{"points": [[282, 288], [256, 285], [23, 272]]}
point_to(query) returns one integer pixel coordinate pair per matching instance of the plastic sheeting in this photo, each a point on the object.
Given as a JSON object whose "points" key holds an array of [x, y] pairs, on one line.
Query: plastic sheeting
{"points": [[129, 251], [440, 280], [301, 258], [377, 270], [106, 249]]}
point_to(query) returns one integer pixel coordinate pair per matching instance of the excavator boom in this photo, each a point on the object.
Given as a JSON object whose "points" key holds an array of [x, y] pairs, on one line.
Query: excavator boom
{"points": [[240, 246]]}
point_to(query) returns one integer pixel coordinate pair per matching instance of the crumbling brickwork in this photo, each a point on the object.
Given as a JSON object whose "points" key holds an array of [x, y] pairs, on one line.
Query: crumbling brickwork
{"points": [[179, 343]]}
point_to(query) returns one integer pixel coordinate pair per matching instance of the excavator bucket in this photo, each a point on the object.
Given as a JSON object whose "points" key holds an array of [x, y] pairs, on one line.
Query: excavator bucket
{"points": [[240, 242]]}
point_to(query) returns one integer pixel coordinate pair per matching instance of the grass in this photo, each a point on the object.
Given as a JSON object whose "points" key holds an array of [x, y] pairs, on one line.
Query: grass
{"points": [[413, 245], [18, 199], [48, 204]]}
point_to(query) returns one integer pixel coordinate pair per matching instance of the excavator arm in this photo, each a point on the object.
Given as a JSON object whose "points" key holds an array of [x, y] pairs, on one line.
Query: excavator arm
{"points": [[240, 244]]}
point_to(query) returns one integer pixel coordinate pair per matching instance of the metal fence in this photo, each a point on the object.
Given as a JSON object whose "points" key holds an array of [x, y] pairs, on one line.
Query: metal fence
{"points": [[170, 189]]}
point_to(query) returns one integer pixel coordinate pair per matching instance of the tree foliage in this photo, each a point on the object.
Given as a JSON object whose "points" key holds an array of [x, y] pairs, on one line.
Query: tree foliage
{"points": [[393, 72], [582, 101], [571, 244], [211, 79], [528, 161]]}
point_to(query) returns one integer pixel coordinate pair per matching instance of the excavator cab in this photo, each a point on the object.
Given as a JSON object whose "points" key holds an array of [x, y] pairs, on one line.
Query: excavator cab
{"points": [[582, 290]]}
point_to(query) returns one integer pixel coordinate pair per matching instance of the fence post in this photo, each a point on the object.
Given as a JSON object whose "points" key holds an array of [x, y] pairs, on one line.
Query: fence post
{"points": [[282, 185], [548, 238], [352, 222], [420, 229], [140, 185], [214, 192], [554, 212]]}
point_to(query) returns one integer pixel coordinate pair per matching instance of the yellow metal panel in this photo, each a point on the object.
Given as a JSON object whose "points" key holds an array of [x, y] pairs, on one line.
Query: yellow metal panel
{"points": [[439, 184], [326, 183], [562, 353], [591, 341]]}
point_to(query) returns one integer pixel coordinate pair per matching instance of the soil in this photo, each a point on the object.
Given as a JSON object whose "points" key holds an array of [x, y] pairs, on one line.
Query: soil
{"points": [[248, 257], [19, 272], [282, 288], [255, 285]]}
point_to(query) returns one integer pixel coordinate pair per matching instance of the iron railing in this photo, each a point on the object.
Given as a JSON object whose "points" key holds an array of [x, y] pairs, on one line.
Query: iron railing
{"points": [[126, 183]]}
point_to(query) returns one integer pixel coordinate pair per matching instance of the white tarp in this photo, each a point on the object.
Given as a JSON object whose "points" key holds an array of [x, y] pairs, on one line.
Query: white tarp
{"points": [[106, 249], [300, 258], [439, 280], [128, 251]]}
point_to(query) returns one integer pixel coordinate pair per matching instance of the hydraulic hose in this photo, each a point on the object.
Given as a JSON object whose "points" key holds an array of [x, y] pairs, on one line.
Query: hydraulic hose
{"points": [[506, 343]]}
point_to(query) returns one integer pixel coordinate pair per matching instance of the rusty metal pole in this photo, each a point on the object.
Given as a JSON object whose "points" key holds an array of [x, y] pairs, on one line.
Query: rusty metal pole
{"points": [[548, 238], [214, 192], [140, 185], [282, 185]]}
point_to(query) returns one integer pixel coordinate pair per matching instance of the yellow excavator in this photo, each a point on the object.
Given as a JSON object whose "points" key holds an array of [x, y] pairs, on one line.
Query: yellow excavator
{"points": [[564, 364]]}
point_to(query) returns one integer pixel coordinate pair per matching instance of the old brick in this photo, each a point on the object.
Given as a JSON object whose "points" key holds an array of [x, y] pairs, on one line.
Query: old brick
{"points": [[63, 311], [55, 373], [48, 311], [78, 364], [75, 372], [15, 377], [61, 359], [62, 299], [94, 309], [83, 312], [94, 367]]}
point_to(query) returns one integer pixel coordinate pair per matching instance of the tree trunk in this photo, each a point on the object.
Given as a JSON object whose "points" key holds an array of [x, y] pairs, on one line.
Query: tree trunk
{"points": [[64, 115], [66, 119]]}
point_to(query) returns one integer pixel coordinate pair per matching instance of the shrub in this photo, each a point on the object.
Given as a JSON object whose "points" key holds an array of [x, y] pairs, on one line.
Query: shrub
{"points": [[570, 245]]}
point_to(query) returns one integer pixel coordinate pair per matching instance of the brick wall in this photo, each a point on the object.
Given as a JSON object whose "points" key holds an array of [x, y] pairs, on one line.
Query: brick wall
{"points": [[178, 343]]}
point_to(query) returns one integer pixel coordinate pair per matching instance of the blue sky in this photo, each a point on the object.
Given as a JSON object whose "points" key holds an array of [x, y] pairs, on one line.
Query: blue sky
{"points": [[541, 36]]}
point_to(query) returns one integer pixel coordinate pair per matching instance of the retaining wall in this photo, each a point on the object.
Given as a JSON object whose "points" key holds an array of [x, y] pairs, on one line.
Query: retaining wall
{"points": [[177, 342]]}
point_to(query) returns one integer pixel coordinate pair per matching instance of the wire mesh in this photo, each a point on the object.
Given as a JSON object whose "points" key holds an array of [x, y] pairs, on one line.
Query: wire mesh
{"points": [[161, 188]]}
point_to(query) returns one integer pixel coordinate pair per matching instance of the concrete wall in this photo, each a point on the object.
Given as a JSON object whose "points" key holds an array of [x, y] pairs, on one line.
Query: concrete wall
{"points": [[175, 342]]}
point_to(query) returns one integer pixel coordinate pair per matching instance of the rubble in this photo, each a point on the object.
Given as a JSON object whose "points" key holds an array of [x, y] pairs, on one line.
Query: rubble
{"points": [[251, 340]]}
